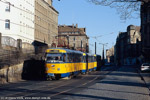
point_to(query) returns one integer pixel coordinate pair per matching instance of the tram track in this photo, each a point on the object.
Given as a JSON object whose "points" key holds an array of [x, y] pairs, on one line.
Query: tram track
{"points": [[83, 84], [54, 88]]}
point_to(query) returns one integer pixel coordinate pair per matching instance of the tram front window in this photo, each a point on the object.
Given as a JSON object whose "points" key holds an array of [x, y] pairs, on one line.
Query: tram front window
{"points": [[54, 58]]}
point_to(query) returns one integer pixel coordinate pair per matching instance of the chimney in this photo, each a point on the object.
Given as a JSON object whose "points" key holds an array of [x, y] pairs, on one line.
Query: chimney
{"points": [[76, 25]]}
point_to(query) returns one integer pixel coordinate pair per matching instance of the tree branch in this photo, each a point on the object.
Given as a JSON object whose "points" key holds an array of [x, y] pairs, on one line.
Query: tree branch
{"points": [[126, 8]]}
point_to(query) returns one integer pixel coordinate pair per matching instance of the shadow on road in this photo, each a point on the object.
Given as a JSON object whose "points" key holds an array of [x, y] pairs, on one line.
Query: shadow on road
{"points": [[85, 96], [33, 70]]}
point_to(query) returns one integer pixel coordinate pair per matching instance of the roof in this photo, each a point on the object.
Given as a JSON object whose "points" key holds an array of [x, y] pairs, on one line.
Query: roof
{"points": [[64, 28], [67, 50], [72, 51]]}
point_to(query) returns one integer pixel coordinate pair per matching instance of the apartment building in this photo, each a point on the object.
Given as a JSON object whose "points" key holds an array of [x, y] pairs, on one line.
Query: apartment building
{"points": [[32, 21], [72, 36], [145, 29], [46, 23], [17, 21], [110, 55], [128, 46]]}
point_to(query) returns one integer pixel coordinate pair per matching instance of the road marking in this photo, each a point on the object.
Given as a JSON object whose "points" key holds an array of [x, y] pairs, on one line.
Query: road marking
{"points": [[84, 84]]}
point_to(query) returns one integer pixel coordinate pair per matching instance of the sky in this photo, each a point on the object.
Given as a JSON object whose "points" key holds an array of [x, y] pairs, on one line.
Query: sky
{"points": [[98, 20]]}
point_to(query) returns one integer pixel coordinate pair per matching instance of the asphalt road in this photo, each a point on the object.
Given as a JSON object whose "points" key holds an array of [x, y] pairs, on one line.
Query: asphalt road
{"points": [[111, 83], [122, 84], [38, 90]]}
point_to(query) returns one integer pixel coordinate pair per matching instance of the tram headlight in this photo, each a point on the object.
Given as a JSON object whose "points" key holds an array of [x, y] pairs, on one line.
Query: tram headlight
{"points": [[58, 69], [47, 69]]}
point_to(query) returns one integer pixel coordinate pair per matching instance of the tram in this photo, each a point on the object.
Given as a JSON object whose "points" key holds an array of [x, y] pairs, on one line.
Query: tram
{"points": [[61, 63]]}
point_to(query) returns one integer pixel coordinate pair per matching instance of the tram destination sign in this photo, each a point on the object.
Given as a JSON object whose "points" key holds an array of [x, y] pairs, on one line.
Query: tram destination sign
{"points": [[54, 51]]}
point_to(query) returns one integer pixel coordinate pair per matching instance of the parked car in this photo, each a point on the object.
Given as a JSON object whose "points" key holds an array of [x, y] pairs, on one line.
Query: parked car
{"points": [[145, 67]]}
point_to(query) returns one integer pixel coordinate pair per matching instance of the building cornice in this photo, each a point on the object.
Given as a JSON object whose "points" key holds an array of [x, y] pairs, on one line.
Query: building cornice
{"points": [[51, 7]]}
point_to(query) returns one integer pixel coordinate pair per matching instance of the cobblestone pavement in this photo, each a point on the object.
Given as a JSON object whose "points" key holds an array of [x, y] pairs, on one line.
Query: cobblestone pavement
{"points": [[123, 84]]}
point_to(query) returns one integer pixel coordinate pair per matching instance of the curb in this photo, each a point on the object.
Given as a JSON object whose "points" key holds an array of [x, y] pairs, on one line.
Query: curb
{"points": [[142, 78]]}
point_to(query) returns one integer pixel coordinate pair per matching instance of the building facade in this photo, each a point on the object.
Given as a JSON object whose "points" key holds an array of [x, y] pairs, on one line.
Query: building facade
{"points": [[145, 29], [73, 37], [110, 55], [17, 20], [34, 22], [128, 46], [46, 23]]}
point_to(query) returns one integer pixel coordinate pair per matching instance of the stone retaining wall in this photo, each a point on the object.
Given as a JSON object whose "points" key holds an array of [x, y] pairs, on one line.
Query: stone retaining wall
{"points": [[11, 74]]}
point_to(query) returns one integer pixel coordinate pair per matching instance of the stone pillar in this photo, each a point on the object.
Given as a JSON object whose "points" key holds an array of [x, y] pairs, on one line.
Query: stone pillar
{"points": [[19, 44]]}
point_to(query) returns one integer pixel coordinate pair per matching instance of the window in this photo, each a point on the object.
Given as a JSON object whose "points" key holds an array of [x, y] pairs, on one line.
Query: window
{"points": [[7, 7], [128, 40], [74, 38], [7, 24]]}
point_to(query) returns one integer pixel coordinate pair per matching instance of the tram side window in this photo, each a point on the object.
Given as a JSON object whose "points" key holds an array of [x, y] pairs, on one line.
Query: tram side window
{"points": [[74, 58], [92, 58], [84, 59], [78, 58], [64, 57], [95, 59], [81, 58], [89, 58], [69, 57]]}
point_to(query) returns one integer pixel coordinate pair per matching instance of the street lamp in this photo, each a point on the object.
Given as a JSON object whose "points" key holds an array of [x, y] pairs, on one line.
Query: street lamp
{"points": [[86, 46]]}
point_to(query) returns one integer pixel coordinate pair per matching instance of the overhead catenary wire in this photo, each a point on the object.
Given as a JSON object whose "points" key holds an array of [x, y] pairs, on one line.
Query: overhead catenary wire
{"points": [[95, 37]]}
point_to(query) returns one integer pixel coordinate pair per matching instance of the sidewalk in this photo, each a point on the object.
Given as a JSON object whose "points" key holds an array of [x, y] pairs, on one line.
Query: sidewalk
{"points": [[123, 84], [146, 78]]}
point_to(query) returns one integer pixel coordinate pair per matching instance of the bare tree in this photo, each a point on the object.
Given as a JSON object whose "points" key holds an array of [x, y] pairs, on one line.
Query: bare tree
{"points": [[126, 8]]}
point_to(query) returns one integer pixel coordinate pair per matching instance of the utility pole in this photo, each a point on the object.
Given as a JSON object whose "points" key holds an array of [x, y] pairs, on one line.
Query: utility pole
{"points": [[95, 47], [103, 53], [81, 45]]}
